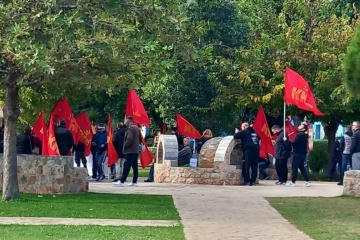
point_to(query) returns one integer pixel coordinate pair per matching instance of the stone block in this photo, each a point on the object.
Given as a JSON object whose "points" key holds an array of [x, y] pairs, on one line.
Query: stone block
{"points": [[352, 183]]}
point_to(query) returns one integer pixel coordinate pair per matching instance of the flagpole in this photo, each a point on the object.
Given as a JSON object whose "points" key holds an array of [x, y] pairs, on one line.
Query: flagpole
{"points": [[284, 126]]}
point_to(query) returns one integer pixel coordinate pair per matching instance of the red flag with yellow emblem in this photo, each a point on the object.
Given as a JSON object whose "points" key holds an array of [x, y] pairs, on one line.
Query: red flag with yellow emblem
{"points": [[62, 110], [185, 128], [49, 144], [86, 132], [135, 109], [261, 128], [112, 154], [39, 126], [298, 92]]}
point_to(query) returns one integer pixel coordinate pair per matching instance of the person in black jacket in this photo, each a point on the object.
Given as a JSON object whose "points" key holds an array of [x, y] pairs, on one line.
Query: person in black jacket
{"points": [[80, 154], [355, 146], [250, 146], [118, 142], [24, 143], [299, 155], [64, 139], [282, 153]]}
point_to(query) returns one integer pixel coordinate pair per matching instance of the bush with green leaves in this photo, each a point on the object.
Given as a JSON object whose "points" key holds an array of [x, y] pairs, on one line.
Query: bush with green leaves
{"points": [[318, 157]]}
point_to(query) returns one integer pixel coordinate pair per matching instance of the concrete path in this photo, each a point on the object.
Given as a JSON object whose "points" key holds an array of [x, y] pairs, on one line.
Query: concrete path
{"points": [[86, 221], [229, 212]]}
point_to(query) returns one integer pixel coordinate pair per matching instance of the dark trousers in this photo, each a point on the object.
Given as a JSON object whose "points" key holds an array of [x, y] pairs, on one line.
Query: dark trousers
{"points": [[251, 162], [131, 161], [263, 165], [100, 160], [346, 160], [113, 170], [298, 162], [80, 156], [151, 173], [94, 165], [282, 169]]}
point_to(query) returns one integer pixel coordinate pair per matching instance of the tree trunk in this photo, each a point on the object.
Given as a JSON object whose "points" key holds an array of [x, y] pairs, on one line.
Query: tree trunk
{"points": [[330, 129], [11, 114]]}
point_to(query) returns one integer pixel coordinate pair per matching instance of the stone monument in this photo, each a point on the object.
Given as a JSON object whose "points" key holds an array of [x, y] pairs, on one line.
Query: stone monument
{"points": [[48, 175], [220, 163]]}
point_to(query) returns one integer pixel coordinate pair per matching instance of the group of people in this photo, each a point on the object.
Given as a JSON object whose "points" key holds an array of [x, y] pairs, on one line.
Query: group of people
{"points": [[346, 153], [127, 141], [284, 148]]}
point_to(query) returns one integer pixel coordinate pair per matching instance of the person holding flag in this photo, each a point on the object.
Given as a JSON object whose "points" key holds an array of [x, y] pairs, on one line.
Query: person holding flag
{"points": [[282, 153], [251, 150], [300, 149], [99, 142]]}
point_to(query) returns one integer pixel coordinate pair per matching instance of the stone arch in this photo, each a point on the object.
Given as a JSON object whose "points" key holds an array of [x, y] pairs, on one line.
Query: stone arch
{"points": [[207, 152], [229, 152], [167, 149]]}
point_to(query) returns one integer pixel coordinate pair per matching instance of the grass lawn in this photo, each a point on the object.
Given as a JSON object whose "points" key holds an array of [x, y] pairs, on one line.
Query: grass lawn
{"points": [[143, 172], [10, 232], [92, 205], [322, 218]]}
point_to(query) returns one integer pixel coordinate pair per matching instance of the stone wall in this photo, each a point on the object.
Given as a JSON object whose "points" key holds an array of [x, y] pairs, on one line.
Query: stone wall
{"points": [[221, 174], [352, 183], [49, 175], [207, 152]]}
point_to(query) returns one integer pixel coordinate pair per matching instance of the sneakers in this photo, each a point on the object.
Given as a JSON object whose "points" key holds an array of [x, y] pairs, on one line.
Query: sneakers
{"points": [[278, 183], [147, 180], [307, 184], [339, 183], [116, 182], [290, 184], [119, 184], [133, 184]]}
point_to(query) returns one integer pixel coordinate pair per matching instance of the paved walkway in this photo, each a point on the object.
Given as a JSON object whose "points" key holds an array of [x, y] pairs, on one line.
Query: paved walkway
{"points": [[230, 212], [86, 221]]}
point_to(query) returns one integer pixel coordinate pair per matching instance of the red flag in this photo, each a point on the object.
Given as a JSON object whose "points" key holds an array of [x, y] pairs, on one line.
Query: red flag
{"points": [[146, 156], [85, 130], [49, 145], [164, 128], [135, 109], [112, 154], [298, 92], [185, 128], [62, 110], [261, 128], [39, 126], [290, 130]]}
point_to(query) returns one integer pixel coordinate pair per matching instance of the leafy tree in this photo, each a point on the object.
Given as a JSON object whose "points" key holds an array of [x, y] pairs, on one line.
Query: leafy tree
{"points": [[49, 46], [352, 66]]}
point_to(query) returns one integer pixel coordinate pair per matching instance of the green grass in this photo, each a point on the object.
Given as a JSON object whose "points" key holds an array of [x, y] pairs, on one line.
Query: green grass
{"points": [[92, 205], [143, 172], [10, 232], [322, 218]]}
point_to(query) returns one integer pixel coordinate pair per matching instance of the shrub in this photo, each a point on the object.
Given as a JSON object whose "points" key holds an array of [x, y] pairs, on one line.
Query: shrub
{"points": [[318, 157]]}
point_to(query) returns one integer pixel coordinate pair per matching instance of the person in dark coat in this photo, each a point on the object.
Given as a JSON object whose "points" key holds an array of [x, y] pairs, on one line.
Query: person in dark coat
{"points": [[99, 142], [282, 153], [250, 146], [24, 143], [118, 142], [336, 159], [300, 146], [64, 139], [185, 153], [131, 149], [355, 146], [80, 154]]}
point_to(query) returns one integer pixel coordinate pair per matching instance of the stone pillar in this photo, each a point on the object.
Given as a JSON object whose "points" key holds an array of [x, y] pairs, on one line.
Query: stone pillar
{"points": [[352, 183], [207, 153], [167, 149]]}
